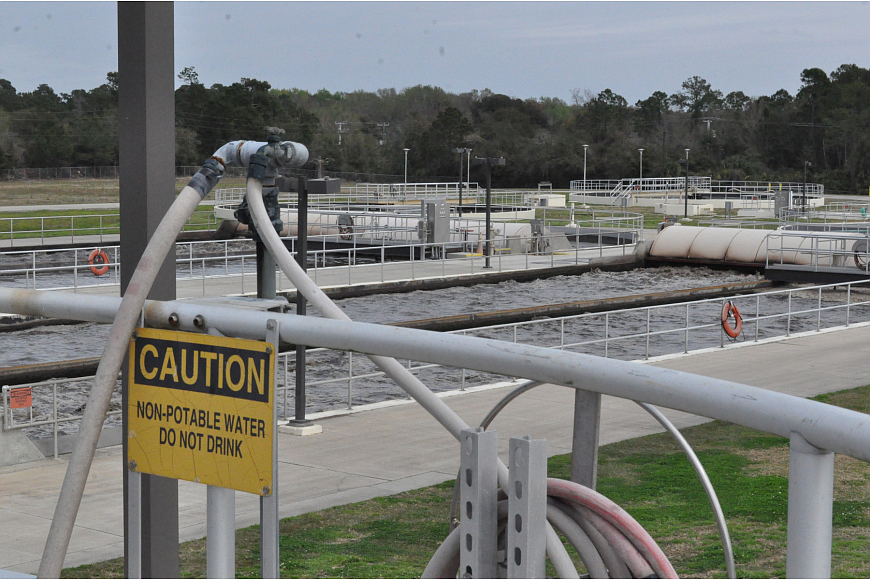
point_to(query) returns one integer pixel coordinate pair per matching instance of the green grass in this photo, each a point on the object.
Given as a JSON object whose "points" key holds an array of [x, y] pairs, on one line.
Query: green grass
{"points": [[649, 477]]}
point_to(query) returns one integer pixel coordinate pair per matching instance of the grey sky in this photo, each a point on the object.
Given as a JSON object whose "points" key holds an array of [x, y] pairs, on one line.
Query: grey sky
{"points": [[523, 49]]}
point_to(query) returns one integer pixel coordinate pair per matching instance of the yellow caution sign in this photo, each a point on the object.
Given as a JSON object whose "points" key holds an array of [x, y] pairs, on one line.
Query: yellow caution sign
{"points": [[200, 409]]}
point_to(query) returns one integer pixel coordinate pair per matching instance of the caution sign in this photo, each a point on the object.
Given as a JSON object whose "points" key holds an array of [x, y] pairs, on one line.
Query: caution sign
{"points": [[21, 398], [200, 409]]}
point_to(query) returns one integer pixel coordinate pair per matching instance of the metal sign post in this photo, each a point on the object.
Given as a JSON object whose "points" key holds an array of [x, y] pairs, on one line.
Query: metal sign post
{"points": [[202, 408], [269, 567]]}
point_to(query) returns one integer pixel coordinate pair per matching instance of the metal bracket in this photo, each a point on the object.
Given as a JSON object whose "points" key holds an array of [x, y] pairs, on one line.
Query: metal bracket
{"points": [[527, 508], [478, 493]]}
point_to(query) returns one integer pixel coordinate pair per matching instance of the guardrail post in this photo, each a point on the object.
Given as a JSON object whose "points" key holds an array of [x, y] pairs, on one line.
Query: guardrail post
{"points": [[478, 494], [810, 510]]}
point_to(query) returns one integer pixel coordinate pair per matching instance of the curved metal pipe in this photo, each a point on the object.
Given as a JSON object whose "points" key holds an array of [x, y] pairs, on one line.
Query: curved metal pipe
{"points": [[724, 536], [721, 524]]}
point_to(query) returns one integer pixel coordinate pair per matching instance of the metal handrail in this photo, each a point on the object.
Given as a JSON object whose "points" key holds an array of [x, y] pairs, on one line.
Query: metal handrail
{"points": [[108, 224]]}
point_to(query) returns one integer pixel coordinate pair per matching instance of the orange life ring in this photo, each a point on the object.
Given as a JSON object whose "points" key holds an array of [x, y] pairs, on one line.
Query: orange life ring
{"points": [[99, 262], [730, 311]]}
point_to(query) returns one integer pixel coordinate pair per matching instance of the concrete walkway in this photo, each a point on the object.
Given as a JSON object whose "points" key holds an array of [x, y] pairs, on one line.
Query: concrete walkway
{"points": [[398, 448]]}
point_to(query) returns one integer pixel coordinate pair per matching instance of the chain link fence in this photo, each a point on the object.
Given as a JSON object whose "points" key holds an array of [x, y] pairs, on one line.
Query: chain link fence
{"points": [[187, 171]]}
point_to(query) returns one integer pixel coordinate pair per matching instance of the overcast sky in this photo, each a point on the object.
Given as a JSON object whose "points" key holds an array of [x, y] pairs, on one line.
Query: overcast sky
{"points": [[523, 49]]}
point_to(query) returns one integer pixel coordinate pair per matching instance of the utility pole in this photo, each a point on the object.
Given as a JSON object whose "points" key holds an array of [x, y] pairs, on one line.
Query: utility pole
{"points": [[341, 125], [383, 127], [321, 163], [488, 162]]}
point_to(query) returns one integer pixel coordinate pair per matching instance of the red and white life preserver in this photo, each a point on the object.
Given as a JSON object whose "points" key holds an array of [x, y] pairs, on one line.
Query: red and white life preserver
{"points": [[730, 311], [99, 262]]}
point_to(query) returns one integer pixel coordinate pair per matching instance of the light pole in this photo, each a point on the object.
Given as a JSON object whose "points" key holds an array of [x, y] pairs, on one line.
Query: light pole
{"points": [[468, 165], [585, 147], [641, 164], [488, 162], [686, 197], [460, 151], [804, 196], [406, 170]]}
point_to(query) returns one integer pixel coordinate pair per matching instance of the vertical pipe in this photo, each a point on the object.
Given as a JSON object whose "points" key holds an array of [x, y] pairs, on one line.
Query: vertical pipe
{"points": [[301, 302], [220, 532], [810, 510]]}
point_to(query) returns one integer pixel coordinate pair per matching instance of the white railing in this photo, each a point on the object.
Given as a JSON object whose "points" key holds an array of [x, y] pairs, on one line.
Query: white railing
{"points": [[29, 229], [591, 185], [47, 407], [819, 251], [843, 216], [368, 248], [641, 333], [703, 187], [628, 334], [366, 197]]}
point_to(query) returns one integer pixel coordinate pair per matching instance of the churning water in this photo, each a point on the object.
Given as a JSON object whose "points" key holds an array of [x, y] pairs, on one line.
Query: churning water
{"points": [[620, 335]]}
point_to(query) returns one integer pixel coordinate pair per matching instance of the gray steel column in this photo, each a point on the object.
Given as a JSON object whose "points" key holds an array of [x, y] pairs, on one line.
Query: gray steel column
{"points": [[146, 131], [584, 446], [478, 494], [527, 508], [810, 510]]}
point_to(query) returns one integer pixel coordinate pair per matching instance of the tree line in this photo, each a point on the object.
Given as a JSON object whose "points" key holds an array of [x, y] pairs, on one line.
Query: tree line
{"points": [[824, 128]]}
